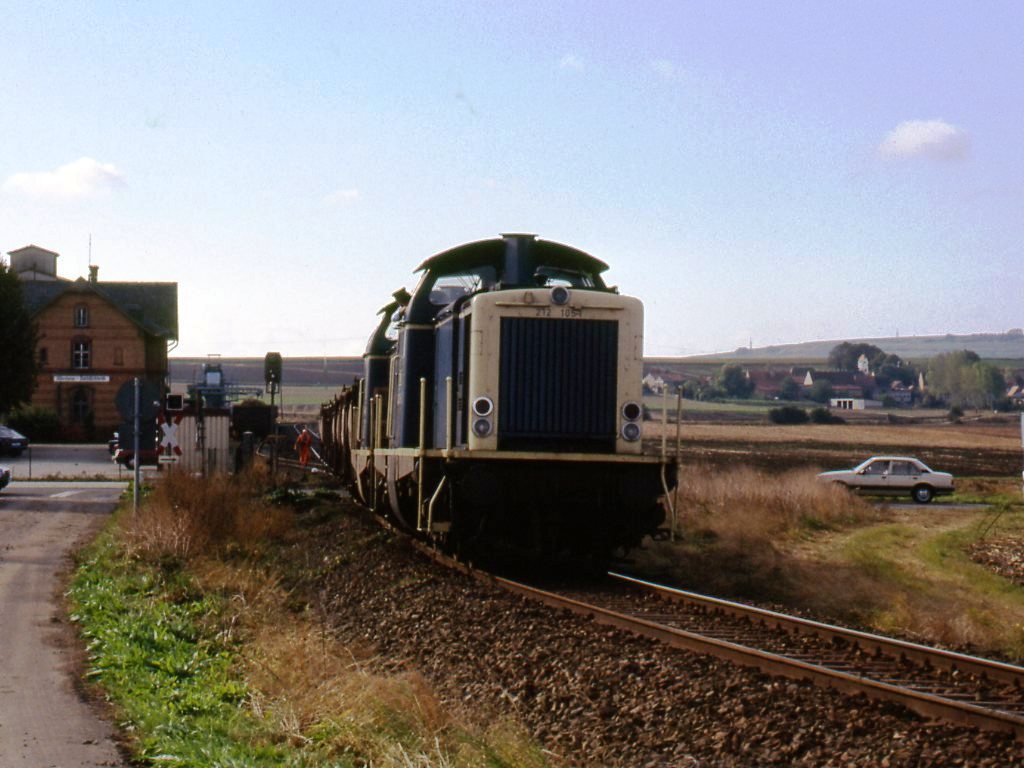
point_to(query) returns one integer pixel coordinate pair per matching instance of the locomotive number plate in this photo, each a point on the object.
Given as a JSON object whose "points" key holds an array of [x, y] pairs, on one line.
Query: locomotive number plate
{"points": [[566, 312]]}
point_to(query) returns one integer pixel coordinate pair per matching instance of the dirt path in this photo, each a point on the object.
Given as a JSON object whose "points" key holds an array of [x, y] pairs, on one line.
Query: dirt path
{"points": [[43, 722]]}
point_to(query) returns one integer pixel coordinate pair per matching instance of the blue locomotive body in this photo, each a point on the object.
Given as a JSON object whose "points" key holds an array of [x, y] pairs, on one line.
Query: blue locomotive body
{"points": [[501, 405]]}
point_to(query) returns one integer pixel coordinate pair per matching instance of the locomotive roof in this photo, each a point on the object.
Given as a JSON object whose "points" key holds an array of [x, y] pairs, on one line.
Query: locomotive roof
{"points": [[491, 252]]}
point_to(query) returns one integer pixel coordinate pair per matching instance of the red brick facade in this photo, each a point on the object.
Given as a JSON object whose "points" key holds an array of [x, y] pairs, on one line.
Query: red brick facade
{"points": [[88, 349], [93, 338]]}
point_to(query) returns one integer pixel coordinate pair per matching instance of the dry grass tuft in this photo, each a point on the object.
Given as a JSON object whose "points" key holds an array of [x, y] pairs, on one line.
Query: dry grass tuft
{"points": [[322, 696], [312, 691], [748, 504], [788, 539], [739, 529], [186, 517]]}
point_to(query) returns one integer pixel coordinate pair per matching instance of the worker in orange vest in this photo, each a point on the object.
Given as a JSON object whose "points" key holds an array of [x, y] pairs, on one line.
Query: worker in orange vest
{"points": [[302, 444]]}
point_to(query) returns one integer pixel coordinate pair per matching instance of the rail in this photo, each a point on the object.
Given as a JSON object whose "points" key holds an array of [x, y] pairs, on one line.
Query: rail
{"points": [[965, 690]]}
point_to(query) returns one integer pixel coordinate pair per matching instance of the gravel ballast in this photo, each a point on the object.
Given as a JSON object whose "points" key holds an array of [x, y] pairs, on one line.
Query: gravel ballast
{"points": [[592, 695]]}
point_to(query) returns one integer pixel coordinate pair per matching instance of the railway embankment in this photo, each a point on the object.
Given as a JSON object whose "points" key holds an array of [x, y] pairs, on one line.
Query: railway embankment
{"points": [[346, 647]]}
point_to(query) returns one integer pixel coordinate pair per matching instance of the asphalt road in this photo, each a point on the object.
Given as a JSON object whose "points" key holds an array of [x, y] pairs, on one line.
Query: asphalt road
{"points": [[43, 722], [44, 461]]}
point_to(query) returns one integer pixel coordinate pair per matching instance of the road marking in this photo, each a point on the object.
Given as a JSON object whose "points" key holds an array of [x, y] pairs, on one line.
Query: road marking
{"points": [[63, 494]]}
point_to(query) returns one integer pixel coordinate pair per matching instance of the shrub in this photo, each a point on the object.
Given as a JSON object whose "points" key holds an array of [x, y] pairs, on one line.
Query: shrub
{"points": [[38, 424], [735, 529], [822, 415], [187, 516], [788, 414]]}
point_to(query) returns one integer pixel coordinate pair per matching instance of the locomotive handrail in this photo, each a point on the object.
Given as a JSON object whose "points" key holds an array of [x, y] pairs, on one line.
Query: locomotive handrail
{"points": [[448, 414], [420, 453], [433, 501]]}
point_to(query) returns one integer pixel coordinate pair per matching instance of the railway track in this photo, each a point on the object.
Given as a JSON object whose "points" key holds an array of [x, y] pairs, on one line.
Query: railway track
{"points": [[938, 684], [934, 683]]}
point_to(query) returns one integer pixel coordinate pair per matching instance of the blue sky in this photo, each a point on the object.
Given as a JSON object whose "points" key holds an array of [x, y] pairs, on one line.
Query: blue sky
{"points": [[768, 171]]}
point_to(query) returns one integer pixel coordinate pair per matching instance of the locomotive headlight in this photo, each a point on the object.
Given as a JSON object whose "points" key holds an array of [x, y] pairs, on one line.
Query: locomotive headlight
{"points": [[483, 406], [560, 295], [631, 411], [482, 427], [631, 431]]}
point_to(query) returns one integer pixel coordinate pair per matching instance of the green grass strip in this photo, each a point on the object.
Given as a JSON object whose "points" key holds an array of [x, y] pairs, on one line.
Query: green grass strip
{"points": [[153, 646]]}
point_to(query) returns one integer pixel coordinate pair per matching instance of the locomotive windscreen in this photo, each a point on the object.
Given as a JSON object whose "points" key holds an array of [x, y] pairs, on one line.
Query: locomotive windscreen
{"points": [[558, 384]]}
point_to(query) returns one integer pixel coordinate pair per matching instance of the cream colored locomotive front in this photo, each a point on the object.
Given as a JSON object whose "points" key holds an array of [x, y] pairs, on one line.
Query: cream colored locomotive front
{"points": [[565, 305]]}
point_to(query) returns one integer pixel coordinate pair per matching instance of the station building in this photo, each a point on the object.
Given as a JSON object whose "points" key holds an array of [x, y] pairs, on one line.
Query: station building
{"points": [[93, 338]]}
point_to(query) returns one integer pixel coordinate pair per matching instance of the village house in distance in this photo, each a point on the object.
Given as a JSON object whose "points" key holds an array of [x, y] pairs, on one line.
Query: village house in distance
{"points": [[93, 337]]}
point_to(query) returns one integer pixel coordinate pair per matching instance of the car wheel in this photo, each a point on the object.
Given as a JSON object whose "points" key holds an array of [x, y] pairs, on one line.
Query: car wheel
{"points": [[922, 494]]}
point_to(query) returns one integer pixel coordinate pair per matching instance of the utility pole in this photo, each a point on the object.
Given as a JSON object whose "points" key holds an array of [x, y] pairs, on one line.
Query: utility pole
{"points": [[137, 464]]}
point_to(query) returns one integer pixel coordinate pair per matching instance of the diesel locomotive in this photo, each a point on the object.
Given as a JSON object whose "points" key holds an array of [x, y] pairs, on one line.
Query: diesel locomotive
{"points": [[500, 406]]}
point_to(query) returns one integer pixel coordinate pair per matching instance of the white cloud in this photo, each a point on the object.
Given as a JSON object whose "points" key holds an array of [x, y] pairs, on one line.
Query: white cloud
{"points": [[80, 178], [342, 197], [571, 61], [932, 139]]}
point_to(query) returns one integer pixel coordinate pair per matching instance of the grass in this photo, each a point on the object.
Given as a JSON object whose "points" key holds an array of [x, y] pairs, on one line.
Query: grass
{"points": [[746, 502], [788, 539], [656, 403], [943, 595], [300, 395], [152, 648], [737, 529], [1004, 491], [209, 661]]}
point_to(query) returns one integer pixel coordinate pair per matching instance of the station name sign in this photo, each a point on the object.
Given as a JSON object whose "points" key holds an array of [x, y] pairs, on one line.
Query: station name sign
{"points": [[84, 378]]}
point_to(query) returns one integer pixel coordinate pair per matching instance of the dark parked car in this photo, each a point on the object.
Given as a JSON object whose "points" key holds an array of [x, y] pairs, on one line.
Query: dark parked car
{"points": [[12, 443]]}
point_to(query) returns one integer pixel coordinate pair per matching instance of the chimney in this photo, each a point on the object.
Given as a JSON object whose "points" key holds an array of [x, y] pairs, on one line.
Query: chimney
{"points": [[94, 273]]}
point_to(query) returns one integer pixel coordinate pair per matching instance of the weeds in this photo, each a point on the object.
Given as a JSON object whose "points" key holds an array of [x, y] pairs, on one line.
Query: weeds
{"points": [[211, 661], [737, 530], [789, 539], [746, 504], [185, 518]]}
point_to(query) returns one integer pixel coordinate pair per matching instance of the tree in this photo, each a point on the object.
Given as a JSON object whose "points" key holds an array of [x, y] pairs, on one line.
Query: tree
{"points": [[887, 366], [18, 337], [790, 389], [962, 379], [735, 382], [821, 391], [989, 384], [889, 372], [844, 357]]}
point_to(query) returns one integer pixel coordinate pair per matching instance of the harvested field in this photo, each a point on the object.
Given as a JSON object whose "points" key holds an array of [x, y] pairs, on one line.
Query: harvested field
{"points": [[981, 448]]}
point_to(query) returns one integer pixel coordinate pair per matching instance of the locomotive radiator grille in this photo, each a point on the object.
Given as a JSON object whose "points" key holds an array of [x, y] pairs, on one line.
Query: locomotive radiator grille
{"points": [[558, 384]]}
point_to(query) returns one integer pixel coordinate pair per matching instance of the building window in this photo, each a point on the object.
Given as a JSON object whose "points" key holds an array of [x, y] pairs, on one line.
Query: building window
{"points": [[118, 355], [81, 406], [43, 356], [81, 317], [81, 352]]}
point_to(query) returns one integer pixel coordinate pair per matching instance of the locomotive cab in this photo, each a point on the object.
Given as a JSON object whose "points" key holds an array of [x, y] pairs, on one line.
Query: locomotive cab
{"points": [[511, 406]]}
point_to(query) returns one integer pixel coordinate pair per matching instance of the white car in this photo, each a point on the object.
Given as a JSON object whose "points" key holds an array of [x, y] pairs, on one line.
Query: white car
{"points": [[893, 476]]}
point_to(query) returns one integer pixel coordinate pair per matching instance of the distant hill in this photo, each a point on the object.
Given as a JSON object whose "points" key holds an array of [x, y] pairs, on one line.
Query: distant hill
{"points": [[248, 371], [340, 371], [989, 346]]}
